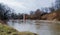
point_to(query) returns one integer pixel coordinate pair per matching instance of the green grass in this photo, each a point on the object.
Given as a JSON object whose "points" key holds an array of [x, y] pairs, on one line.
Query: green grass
{"points": [[6, 30]]}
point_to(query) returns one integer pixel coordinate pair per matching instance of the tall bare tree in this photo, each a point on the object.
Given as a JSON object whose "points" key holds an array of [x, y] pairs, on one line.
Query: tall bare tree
{"points": [[57, 4], [4, 12]]}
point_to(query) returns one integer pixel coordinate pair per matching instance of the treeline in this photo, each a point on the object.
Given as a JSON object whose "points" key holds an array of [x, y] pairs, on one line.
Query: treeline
{"points": [[7, 13], [34, 15], [52, 13]]}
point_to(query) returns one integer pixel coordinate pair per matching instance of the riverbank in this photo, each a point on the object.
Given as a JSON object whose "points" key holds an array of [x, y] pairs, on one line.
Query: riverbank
{"points": [[40, 21], [6, 30], [4, 22]]}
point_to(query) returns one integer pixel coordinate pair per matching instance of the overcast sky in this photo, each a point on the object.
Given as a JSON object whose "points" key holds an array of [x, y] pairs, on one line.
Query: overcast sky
{"points": [[24, 6]]}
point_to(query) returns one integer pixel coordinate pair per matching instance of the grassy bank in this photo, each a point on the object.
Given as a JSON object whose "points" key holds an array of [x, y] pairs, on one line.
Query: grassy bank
{"points": [[6, 30]]}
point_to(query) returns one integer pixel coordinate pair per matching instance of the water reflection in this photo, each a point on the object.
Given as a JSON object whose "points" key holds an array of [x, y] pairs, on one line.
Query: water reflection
{"points": [[47, 28], [56, 28]]}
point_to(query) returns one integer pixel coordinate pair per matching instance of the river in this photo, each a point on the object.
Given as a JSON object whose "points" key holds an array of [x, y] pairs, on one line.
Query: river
{"points": [[39, 27]]}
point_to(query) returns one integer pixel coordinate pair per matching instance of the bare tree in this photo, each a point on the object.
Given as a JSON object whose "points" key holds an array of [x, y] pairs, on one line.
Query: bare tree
{"points": [[57, 4], [38, 14], [4, 12]]}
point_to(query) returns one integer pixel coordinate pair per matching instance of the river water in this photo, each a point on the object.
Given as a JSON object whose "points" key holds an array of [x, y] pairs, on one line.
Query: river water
{"points": [[41, 28]]}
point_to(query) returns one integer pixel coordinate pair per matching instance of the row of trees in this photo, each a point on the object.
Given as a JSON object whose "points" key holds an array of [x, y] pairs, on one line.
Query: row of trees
{"points": [[7, 13]]}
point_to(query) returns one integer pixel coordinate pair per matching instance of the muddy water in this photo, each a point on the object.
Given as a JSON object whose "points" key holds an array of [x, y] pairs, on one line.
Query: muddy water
{"points": [[41, 28]]}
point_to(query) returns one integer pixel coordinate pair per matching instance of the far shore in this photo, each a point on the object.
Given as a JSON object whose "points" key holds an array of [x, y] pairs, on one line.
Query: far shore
{"points": [[54, 21]]}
